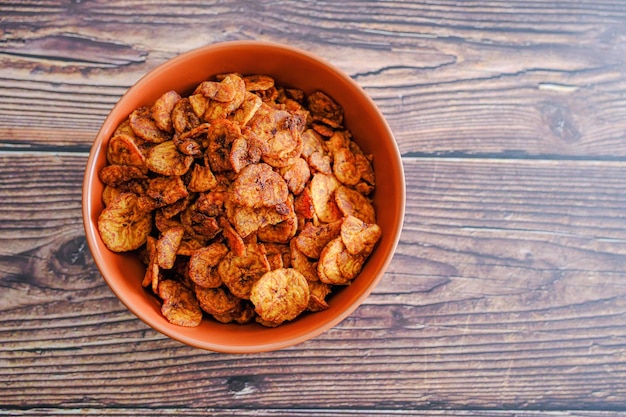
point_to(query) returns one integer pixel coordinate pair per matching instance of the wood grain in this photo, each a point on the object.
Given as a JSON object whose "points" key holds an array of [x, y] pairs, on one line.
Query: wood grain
{"points": [[506, 296], [489, 303], [519, 79]]}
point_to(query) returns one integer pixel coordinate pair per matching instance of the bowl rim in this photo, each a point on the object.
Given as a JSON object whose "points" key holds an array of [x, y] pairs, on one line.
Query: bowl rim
{"points": [[165, 328]]}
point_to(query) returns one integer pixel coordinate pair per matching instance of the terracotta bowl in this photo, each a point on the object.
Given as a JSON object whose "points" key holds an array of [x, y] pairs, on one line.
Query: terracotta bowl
{"points": [[290, 67]]}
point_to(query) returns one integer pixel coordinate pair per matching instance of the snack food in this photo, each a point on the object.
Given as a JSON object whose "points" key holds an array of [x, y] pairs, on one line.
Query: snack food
{"points": [[246, 200]]}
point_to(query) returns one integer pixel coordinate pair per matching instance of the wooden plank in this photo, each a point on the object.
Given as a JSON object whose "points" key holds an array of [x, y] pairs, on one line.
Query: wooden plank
{"points": [[288, 412], [459, 79], [506, 292]]}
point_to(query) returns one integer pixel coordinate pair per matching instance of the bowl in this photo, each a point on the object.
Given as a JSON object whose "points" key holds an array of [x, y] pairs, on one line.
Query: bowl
{"points": [[291, 67]]}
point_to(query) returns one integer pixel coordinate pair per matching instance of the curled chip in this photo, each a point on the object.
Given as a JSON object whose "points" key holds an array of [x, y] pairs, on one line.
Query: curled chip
{"points": [[122, 226], [280, 295], [239, 273], [260, 198], [258, 185], [180, 305]]}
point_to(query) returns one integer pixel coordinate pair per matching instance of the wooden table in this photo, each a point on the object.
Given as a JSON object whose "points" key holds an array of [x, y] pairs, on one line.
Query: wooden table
{"points": [[507, 294]]}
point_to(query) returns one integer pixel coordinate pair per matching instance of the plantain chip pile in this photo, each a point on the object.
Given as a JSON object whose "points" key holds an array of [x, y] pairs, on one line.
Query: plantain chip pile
{"points": [[246, 201]]}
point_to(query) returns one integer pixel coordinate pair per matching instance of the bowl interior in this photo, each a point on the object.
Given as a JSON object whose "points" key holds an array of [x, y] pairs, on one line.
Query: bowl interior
{"points": [[290, 67]]}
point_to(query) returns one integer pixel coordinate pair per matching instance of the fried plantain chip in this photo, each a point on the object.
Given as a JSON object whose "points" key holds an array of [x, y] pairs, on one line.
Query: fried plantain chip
{"points": [[199, 225], [124, 149], [221, 109], [183, 116], [216, 301], [221, 135], [239, 273], [280, 295], [162, 110], [296, 175], [246, 150], [318, 290], [165, 159], [202, 179], [259, 186], [202, 265], [322, 193], [258, 82], [116, 175], [358, 236], [301, 263], [322, 106], [247, 110], [248, 220], [235, 242], [166, 190], [122, 226], [312, 239], [145, 127], [167, 246], [345, 167], [180, 306], [353, 203]]}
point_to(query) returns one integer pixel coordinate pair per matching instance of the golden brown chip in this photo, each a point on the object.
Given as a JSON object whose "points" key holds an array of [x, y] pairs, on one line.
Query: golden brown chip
{"points": [[353, 203], [167, 246], [278, 255], [162, 110], [259, 186], [220, 110], [122, 226], [211, 203], [358, 236], [199, 105], [239, 273], [345, 167], [235, 242], [248, 220], [246, 150], [247, 110], [312, 239], [311, 143], [258, 82], [183, 116], [202, 265], [218, 91], [116, 175], [180, 305], [176, 208], [242, 314], [166, 190], [199, 225], [328, 265], [152, 266], [280, 295], [221, 135], [163, 223], [319, 290], [323, 195], [301, 263], [191, 142], [123, 149], [323, 129], [144, 126], [283, 231], [321, 105], [303, 204], [188, 246], [296, 175], [363, 164], [202, 179], [216, 300], [164, 159], [350, 265]]}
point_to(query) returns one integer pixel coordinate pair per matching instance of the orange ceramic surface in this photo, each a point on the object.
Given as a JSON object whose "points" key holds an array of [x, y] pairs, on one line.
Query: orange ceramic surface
{"points": [[293, 68]]}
